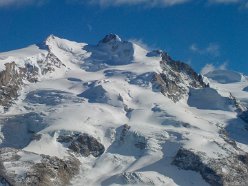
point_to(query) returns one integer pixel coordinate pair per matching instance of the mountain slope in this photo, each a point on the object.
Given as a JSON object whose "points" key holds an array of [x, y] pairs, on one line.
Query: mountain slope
{"points": [[128, 115]]}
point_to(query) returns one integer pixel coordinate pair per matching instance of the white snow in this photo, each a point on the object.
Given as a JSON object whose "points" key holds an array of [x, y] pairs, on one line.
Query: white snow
{"points": [[32, 54], [209, 99]]}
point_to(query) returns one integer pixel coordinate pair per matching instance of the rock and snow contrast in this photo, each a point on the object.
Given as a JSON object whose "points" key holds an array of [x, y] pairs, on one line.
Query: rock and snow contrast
{"points": [[116, 114]]}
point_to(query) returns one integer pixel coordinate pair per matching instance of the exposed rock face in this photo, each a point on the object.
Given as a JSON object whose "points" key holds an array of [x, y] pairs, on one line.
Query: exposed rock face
{"points": [[36, 169], [50, 63], [9, 84], [124, 132], [128, 142], [176, 78], [195, 80], [126, 135], [228, 171], [11, 80], [30, 73], [83, 144], [240, 107], [111, 50], [169, 87], [110, 38], [14, 76], [155, 53]]}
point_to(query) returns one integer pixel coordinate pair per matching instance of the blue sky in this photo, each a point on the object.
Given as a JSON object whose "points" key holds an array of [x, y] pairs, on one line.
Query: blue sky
{"points": [[197, 32]]}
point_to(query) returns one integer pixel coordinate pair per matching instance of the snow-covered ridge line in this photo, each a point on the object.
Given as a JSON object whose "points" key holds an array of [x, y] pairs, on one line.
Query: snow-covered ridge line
{"points": [[24, 66], [55, 56]]}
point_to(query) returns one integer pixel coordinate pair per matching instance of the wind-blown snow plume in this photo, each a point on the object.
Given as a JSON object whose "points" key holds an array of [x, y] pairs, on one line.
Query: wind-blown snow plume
{"points": [[212, 49], [210, 67]]}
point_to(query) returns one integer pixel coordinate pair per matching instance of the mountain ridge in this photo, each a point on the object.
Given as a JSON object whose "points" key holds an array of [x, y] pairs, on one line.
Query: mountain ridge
{"points": [[116, 114]]}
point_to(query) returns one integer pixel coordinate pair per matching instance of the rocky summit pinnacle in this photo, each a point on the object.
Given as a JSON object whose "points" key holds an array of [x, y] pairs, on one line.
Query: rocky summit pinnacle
{"points": [[111, 38], [49, 39]]}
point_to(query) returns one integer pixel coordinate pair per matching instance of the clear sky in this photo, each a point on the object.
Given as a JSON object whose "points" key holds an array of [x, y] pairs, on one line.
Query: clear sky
{"points": [[197, 32]]}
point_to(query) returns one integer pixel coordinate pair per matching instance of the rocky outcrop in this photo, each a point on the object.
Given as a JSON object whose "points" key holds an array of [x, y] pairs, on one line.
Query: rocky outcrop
{"points": [[125, 135], [124, 132], [111, 50], [83, 144], [11, 80], [169, 87], [23, 168], [227, 171], [128, 142], [236, 103], [9, 84], [241, 109], [110, 38], [50, 63], [176, 78], [13, 77]]}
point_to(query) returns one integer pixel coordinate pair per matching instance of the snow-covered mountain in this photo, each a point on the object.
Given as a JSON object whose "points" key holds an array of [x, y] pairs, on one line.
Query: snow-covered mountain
{"points": [[116, 114]]}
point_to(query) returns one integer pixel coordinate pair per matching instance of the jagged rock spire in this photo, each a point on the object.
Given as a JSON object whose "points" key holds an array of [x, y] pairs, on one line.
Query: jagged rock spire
{"points": [[110, 38]]}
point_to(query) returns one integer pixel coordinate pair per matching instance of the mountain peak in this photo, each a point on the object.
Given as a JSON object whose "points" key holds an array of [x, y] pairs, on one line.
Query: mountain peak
{"points": [[82, 107], [51, 36], [109, 38], [50, 39], [47, 43]]}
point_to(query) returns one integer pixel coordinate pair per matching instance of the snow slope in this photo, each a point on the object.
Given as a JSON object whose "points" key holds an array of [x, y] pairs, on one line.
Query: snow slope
{"points": [[106, 91]]}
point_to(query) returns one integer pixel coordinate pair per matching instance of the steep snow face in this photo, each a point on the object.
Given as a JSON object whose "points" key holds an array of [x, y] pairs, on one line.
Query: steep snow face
{"points": [[225, 76], [65, 50], [209, 99], [125, 115], [235, 84]]}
